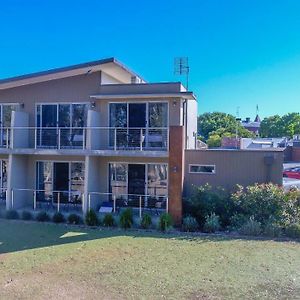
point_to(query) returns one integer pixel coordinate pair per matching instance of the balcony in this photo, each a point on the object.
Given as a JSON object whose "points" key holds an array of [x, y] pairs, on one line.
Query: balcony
{"points": [[74, 201], [85, 138]]}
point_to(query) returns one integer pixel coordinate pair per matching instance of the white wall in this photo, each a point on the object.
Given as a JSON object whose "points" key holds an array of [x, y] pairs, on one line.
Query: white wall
{"points": [[106, 79], [192, 113]]}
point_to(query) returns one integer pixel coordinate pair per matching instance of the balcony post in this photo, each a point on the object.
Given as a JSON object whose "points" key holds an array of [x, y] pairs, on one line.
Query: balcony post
{"points": [[34, 200], [35, 137], [115, 138], [141, 139], [59, 133], [58, 201], [140, 206], [114, 199]]}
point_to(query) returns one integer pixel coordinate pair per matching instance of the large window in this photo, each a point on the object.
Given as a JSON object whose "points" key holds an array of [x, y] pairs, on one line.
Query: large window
{"points": [[60, 125], [128, 178], [5, 122], [138, 124], [63, 180], [3, 179]]}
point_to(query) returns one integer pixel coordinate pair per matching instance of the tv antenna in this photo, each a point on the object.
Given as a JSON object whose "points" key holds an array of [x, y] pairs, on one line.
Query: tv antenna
{"points": [[181, 67]]}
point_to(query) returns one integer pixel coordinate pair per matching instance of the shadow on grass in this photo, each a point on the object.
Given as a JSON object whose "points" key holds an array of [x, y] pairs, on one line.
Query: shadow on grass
{"points": [[21, 235]]}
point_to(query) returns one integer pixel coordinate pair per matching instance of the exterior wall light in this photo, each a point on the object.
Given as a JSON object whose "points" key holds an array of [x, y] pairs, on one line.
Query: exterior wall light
{"points": [[174, 102], [93, 104]]}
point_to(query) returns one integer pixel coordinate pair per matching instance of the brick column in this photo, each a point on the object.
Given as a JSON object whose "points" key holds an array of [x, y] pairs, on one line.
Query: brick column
{"points": [[176, 171]]}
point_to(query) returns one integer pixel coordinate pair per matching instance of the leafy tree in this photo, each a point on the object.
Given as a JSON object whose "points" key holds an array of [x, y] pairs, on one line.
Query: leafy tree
{"points": [[214, 126], [209, 122], [276, 126]]}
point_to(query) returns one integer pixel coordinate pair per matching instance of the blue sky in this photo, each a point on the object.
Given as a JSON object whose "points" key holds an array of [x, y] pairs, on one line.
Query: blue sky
{"points": [[241, 52]]}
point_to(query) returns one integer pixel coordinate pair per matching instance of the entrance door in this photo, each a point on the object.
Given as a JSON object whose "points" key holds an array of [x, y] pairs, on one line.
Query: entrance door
{"points": [[137, 120], [61, 181], [136, 179]]}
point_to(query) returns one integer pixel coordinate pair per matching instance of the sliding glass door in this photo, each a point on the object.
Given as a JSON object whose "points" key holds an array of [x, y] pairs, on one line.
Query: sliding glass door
{"points": [[129, 181], [139, 125], [3, 179], [5, 123], [61, 182], [60, 125]]}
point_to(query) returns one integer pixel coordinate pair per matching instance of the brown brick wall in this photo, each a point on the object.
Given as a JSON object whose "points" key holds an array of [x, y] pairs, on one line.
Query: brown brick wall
{"points": [[176, 171]]}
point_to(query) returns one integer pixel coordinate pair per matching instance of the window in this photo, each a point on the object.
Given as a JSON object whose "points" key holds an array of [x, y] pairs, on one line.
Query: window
{"points": [[70, 118], [66, 178], [130, 118], [202, 169]]}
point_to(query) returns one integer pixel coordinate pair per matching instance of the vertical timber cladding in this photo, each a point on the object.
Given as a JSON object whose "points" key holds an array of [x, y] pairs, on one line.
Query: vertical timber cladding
{"points": [[176, 171]]}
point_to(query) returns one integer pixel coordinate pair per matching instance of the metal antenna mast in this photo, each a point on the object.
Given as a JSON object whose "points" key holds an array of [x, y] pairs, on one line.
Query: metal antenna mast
{"points": [[181, 67]]}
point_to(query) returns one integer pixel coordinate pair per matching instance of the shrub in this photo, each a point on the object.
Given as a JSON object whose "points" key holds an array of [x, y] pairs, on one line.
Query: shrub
{"points": [[58, 218], [237, 221], [261, 201], [26, 215], [212, 223], [189, 224], [74, 219], [146, 221], [165, 222], [42, 216], [108, 220], [251, 227], [272, 230], [205, 201], [126, 218], [91, 218], [11, 214], [293, 230], [291, 208]]}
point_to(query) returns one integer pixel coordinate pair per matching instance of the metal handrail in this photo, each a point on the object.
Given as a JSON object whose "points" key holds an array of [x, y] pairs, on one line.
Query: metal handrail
{"points": [[118, 138], [35, 191], [139, 196]]}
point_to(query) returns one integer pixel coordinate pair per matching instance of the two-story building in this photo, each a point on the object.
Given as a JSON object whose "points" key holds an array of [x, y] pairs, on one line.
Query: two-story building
{"points": [[75, 138]]}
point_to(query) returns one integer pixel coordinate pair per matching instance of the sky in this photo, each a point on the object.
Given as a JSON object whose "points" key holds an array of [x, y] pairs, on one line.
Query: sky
{"points": [[242, 53]]}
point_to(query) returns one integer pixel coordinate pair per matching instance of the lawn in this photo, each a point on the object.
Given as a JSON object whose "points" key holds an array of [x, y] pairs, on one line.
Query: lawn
{"points": [[48, 261]]}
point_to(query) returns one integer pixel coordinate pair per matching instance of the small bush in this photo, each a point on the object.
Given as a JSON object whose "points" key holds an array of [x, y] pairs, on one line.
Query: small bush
{"points": [[126, 218], [108, 220], [58, 218], [212, 223], [42, 216], [165, 222], [206, 200], [293, 230], [26, 215], [91, 218], [11, 214], [74, 219], [237, 221], [272, 230], [146, 221], [251, 227], [189, 224]]}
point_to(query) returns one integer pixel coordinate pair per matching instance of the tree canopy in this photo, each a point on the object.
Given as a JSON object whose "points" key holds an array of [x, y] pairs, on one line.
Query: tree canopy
{"points": [[277, 126], [212, 127]]}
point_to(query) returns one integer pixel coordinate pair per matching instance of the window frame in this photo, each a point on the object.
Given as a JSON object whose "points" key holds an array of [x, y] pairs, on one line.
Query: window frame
{"points": [[202, 165]]}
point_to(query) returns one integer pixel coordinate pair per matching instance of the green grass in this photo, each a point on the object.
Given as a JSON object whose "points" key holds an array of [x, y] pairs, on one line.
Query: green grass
{"points": [[48, 261]]}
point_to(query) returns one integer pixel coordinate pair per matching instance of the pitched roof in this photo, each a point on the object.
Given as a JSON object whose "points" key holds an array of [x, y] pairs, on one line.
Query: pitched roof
{"points": [[106, 64]]}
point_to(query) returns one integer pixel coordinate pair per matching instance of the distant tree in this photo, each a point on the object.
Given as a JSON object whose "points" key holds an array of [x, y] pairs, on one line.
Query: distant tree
{"points": [[214, 126], [276, 126]]}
